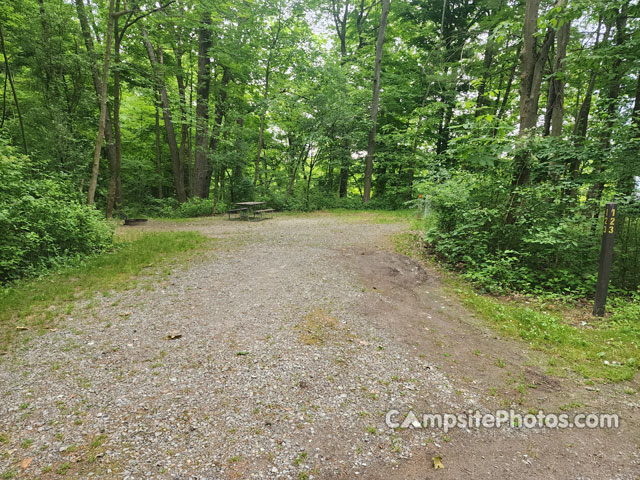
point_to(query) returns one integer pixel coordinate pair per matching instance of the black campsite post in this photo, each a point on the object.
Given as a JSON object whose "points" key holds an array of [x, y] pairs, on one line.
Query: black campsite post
{"points": [[606, 258]]}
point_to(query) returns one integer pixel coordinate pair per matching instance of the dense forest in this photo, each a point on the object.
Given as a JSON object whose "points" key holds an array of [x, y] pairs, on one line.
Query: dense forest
{"points": [[508, 122]]}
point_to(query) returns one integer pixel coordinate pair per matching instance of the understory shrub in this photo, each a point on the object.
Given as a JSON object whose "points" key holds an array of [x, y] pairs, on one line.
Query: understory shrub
{"points": [[543, 249], [42, 220], [171, 208]]}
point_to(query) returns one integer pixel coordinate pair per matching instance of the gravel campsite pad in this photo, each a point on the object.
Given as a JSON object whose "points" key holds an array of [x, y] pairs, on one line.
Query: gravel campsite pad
{"points": [[276, 353]]}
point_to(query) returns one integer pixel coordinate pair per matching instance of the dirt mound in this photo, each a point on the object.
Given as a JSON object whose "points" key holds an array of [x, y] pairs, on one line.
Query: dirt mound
{"points": [[384, 268]]}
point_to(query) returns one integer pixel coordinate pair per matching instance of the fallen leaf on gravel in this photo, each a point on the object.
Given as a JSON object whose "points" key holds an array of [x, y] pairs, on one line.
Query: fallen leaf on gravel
{"points": [[437, 463], [174, 335], [25, 463], [242, 353], [21, 329]]}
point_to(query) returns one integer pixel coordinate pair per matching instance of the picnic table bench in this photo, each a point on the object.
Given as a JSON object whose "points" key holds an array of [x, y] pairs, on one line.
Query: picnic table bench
{"points": [[262, 212], [248, 210], [242, 212]]}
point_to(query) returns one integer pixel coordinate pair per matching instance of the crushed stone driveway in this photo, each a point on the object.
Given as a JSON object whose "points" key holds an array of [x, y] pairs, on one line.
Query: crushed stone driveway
{"points": [[291, 340]]}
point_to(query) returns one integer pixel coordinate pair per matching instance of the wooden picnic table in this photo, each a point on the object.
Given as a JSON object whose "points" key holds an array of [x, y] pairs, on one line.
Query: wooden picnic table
{"points": [[251, 209], [251, 206]]}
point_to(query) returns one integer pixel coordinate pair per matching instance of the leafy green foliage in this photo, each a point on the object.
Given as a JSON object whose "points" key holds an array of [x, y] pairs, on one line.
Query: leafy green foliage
{"points": [[171, 208], [546, 250], [42, 220]]}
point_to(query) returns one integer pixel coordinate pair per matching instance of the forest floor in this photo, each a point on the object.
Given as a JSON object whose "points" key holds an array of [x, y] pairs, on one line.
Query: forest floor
{"points": [[276, 353]]}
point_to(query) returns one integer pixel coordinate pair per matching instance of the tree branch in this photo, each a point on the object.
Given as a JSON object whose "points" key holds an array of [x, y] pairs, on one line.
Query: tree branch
{"points": [[146, 14]]}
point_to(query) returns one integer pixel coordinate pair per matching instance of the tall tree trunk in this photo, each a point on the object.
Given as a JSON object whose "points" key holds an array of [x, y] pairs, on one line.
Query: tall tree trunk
{"points": [[344, 169], [551, 98], [115, 162], [184, 126], [368, 171], [501, 106], [95, 74], [557, 117], [502, 109], [256, 170], [13, 90], [312, 163], [554, 114], [202, 167], [532, 61], [613, 94], [572, 165], [158, 147], [340, 22], [115, 184], [220, 110], [265, 99], [582, 119], [103, 107], [489, 51], [294, 173], [191, 149], [178, 167], [361, 17]]}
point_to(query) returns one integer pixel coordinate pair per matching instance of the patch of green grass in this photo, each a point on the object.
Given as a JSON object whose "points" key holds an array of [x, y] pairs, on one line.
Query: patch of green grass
{"points": [[607, 351], [199, 220], [98, 441], [570, 406], [300, 458], [406, 244], [62, 469], [33, 304]]}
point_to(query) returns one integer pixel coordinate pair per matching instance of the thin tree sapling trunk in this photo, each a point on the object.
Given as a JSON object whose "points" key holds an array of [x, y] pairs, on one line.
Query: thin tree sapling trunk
{"points": [[178, 167], [103, 107], [368, 172]]}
